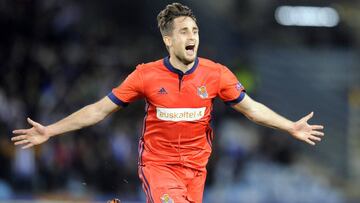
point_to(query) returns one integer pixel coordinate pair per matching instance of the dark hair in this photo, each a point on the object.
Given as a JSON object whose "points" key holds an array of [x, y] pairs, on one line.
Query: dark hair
{"points": [[166, 17]]}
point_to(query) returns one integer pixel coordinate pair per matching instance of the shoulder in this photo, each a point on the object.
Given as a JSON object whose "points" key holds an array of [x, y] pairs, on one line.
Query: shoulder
{"points": [[149, 71], [212, 65], [150, 66]]}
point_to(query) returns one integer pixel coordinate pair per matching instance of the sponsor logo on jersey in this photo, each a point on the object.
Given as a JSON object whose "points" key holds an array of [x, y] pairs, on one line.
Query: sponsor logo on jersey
{"points": [[202, 92], [180, 114], [166, 199]]}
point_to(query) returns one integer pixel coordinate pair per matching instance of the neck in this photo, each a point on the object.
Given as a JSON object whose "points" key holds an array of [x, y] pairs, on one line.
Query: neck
{"points": [[180, 65]]}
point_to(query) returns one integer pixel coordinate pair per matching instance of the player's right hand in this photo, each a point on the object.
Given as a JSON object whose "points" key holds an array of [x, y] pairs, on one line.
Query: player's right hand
{"points": [[31, 136]]}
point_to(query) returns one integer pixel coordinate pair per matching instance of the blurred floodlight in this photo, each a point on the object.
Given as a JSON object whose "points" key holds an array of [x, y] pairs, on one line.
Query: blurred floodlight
{"points": [[306, 16]]}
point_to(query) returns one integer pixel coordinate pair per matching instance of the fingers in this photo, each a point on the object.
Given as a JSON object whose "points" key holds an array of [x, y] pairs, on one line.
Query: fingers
{"points": [[25, 136], [20, 131], [313, 127], [309, 142], [20, 137], [21, 142], [314, 138], [33, 123], [317, 127], [317, 133], [25, 131], [307, 117], [28, 146]]}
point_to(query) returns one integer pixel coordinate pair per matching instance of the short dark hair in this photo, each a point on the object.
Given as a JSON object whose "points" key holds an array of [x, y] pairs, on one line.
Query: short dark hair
{"points": [[166, 17]]}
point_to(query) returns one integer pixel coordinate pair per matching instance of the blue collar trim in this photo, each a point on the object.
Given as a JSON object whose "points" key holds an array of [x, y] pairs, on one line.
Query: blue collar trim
{"points": [[177, 71]]}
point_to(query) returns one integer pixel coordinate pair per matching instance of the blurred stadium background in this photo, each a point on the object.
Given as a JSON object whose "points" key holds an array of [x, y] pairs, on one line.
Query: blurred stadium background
{"points": [[59, 55]]}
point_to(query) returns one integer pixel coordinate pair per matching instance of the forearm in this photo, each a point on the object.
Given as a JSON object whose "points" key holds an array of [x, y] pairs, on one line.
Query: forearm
{"points": [[262, 115], [88, 115]]}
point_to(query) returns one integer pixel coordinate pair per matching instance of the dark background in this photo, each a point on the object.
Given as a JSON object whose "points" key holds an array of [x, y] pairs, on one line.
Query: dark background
{"points": [[58, 55]]}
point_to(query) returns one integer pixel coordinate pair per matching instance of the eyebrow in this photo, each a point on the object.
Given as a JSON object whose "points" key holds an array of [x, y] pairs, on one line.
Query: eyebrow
{"points": [[186, 28]]}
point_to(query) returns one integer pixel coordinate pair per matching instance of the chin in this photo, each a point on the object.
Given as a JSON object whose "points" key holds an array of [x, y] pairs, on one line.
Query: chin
{"points": [[190, 59], [187, 61]]}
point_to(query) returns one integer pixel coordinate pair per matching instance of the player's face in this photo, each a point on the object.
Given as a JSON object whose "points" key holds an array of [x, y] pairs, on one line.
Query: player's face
{"points": [[184, 40]]}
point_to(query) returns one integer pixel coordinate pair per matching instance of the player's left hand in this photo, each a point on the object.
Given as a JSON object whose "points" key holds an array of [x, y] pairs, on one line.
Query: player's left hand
{"points": [[305, 132]]}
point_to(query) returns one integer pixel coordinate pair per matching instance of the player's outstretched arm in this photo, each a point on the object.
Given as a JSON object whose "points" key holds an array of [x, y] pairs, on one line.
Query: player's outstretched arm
{"points": [[88, 115], [262, 115]]}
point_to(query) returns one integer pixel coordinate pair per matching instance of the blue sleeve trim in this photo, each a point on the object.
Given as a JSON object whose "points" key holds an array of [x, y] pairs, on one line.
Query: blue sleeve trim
{"points": [[116, 100], [237, 100]]}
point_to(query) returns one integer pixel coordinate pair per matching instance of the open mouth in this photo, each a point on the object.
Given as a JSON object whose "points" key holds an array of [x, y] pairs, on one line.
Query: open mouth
{"points": [[190, 49]]}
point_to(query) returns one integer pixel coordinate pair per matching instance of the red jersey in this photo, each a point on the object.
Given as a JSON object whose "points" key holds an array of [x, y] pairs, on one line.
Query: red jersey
{"points": [[178, 109]]}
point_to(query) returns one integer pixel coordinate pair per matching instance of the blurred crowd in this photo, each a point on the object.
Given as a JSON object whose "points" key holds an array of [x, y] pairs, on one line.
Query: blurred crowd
{"points": [[56, 57], [50, 67]]}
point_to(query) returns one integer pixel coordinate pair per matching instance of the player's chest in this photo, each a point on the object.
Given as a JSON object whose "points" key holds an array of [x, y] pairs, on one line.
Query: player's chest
{"points": [[186, 91]]}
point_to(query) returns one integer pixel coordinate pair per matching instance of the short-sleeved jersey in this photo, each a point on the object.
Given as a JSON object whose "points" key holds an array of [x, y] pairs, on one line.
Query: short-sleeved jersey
{"points": [[178, 108]]}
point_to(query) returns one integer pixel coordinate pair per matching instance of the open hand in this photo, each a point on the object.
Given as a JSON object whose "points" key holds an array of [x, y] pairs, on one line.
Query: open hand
{"points": [[305, 132], [31, 136]]}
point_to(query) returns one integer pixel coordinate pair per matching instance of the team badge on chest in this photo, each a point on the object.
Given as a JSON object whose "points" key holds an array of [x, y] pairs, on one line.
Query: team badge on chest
{"points": [[202, 92], [166, 199]]}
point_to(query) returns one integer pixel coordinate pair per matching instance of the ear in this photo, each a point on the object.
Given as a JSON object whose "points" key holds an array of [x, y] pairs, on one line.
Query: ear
{"points": [[167, 40]]}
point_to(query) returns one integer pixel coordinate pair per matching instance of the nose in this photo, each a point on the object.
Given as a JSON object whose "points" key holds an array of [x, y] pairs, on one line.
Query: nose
{"points": [[191, 36]]}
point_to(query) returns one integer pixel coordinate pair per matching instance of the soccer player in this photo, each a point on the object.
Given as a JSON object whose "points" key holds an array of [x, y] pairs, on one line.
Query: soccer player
{"points": [[179, 91]]}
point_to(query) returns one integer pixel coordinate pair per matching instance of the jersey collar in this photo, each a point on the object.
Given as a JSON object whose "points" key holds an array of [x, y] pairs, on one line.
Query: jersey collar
{"points": [[177, 71]]}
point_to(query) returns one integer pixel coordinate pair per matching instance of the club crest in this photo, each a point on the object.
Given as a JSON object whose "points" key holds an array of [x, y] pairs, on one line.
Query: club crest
{"points": [[202, 92], [166, 199]]}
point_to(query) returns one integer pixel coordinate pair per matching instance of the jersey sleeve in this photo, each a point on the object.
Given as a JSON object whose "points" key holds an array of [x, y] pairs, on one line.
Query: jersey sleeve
{"points": [[129, 90], [230, 89]]}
